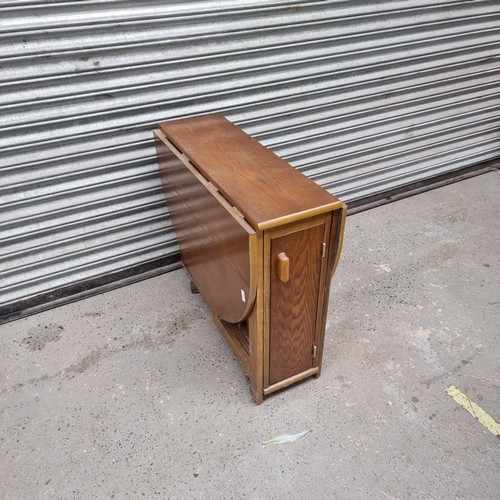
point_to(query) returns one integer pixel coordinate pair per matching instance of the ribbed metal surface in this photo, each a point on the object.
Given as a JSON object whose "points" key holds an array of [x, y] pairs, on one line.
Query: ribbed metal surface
{"points": [[360, 96]]}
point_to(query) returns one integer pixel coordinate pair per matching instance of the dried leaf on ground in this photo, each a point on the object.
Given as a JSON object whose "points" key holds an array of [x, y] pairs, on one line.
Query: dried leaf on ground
{"points": [[285, 438]]}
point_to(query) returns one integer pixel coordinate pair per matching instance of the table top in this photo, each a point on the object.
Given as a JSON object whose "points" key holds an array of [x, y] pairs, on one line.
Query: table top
{"points": [[264, 188]]}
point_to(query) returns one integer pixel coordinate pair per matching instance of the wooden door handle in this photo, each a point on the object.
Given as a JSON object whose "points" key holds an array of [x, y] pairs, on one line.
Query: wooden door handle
{"points": [[283, 267]]}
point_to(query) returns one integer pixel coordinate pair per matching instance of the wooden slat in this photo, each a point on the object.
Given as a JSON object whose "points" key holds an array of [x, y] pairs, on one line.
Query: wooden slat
{"points": [[289, 381]]}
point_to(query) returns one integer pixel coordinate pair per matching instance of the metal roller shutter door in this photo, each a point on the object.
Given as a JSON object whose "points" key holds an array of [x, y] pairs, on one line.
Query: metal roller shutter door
{"points": [[360, 96]]}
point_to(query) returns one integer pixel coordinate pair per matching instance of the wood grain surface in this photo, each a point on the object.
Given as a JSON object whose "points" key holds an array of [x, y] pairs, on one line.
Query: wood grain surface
{"points": [[261, 242], [294, 303], [336, 234], [215, 248], [262, 186]]}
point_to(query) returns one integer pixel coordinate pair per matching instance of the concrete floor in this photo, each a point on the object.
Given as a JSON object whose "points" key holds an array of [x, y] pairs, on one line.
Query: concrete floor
{"points": [[135, 394]]}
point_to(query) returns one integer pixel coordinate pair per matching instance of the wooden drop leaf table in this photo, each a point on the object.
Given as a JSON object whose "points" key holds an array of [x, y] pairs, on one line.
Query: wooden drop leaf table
{"points": [[259, 240]]}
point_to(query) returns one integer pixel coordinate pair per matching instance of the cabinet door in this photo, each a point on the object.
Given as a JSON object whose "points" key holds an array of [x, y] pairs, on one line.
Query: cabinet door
{"points": [[296, 265]]}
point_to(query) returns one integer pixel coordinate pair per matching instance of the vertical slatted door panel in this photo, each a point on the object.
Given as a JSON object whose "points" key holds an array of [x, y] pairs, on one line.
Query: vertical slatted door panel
{"points": [[360, 96]]}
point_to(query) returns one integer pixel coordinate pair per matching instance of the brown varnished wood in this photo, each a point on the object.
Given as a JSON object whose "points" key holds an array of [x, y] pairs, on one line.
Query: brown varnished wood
{"points": [[266, 303], [268, 236], [214, 245], [256, 326], [247, 221], [282, 384], [294, 303], [323, 294], [335, 239], [283, 267], [239, 331], [232, 333], [264, 188]]}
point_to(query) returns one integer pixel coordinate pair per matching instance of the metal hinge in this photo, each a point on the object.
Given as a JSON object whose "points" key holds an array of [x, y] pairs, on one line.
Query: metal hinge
{"points": [[315, 351], [323, 250]]}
